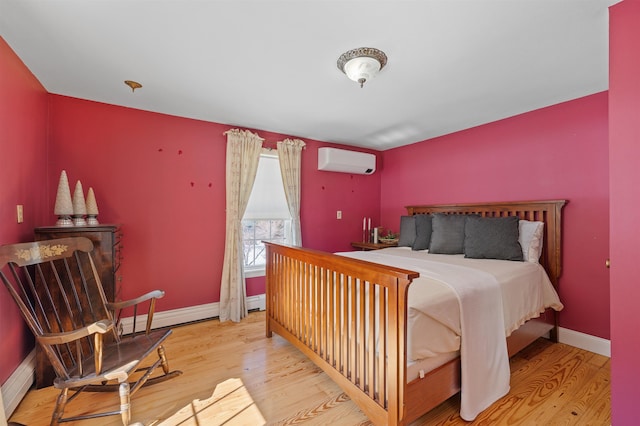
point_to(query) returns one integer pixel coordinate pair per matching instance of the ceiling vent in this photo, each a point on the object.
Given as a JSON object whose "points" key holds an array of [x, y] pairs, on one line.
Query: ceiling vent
{"points": [[342, 160]]}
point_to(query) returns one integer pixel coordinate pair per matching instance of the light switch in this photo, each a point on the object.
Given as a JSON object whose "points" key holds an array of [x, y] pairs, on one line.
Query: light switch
{"points": [[339, 214], [20, 213]]}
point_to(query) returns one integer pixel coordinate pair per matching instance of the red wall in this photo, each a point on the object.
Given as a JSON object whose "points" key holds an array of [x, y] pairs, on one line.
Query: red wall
{"points": [[23, 132], [559, 152], [163, 178], [624, 151]]}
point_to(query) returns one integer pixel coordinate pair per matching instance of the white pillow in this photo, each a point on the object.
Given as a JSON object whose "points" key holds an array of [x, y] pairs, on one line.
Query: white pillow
{"points": [[531, 237]]}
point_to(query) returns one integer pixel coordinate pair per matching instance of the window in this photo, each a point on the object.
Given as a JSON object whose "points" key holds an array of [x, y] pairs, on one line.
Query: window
{"points": [[267, 216]]}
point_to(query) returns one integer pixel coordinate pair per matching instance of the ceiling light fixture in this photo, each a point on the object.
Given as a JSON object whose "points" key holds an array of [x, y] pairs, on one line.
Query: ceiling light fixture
{"points": [[362, 64], [133, 84]]}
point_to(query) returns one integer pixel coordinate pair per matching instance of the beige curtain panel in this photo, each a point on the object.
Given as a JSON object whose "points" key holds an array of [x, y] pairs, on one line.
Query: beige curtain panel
{"points": [[290, 154], [243, 154]]}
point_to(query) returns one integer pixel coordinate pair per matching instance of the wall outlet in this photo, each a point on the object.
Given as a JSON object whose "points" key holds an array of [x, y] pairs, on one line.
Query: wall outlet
{"points": [[339, 214], [20, 213]]}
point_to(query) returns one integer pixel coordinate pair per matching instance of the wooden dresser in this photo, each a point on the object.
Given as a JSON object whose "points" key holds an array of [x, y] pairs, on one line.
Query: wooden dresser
{"points": [[106, 256]]}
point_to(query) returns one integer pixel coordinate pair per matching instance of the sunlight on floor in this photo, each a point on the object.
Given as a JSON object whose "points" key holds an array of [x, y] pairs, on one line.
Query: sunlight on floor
{"points": [[230, 404]]}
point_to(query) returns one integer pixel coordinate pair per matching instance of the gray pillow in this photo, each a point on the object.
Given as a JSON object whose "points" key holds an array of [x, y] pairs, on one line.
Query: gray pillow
{"points": [[492, 238], [447, 236], [407, 231], [423, 232]]}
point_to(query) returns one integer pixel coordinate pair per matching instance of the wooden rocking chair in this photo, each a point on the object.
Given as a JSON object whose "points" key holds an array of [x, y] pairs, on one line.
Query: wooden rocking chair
{"points": [[57, 288]]}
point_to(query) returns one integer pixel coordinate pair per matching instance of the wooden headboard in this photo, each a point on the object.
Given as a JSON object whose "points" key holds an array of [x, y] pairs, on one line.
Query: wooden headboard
{"points": [[549, 212]]}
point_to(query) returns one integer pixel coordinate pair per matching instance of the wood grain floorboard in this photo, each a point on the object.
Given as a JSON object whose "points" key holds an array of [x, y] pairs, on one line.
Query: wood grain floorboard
{"points": [[233, 375]]}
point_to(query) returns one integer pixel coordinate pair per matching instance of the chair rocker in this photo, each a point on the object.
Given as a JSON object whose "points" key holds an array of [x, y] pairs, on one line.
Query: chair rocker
{"points": [[58, 291]]}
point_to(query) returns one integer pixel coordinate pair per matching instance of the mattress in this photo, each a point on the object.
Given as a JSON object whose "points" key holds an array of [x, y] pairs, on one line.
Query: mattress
{"points": [[434, 313]]}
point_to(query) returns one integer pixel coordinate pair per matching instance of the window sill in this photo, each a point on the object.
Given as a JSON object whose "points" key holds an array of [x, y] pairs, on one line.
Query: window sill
{"points": [[253, 273]]}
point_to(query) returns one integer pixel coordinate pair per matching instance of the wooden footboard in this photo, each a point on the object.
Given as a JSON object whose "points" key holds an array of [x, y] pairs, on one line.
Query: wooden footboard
{"points": [[344, 314]]}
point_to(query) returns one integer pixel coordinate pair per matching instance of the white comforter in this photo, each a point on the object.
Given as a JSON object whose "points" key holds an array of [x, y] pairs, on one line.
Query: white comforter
{"points": [[470, 305]]}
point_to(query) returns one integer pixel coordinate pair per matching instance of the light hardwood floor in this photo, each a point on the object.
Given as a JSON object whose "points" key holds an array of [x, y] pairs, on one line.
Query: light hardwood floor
{"points": [[233, 375]]}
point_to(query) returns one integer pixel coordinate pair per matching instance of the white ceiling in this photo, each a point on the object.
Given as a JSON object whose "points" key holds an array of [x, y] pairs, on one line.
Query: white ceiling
{"points": [[271, 65]]}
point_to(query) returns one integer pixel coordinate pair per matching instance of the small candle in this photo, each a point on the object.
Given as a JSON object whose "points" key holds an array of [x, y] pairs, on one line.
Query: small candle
{"points": [[369, 227], [364, 222]]}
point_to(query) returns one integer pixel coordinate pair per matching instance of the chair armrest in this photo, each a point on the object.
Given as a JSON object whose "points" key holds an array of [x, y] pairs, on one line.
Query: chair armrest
{"points": [[100, 327], [152, 296], [156, 294], [97, 329]]}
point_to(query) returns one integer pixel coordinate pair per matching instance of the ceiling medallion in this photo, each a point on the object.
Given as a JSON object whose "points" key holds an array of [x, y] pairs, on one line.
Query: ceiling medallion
{"points": [[362, 64], [133, 84]]}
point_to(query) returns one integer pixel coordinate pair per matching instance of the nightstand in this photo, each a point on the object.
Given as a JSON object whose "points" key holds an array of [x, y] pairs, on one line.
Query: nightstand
{"points": [[371, 246]]}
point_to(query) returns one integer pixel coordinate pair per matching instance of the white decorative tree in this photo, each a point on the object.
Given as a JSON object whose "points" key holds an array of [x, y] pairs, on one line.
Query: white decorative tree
{"points": [[92, 208], [79, 206], [64, 207]]}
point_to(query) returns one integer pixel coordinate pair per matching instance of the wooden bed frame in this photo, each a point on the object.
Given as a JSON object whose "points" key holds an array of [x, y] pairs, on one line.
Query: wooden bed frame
{"points": [[315, 300]]}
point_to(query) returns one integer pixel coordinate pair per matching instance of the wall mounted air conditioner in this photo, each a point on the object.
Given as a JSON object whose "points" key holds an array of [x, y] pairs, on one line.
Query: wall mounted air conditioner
{"points": [[342, 160]]}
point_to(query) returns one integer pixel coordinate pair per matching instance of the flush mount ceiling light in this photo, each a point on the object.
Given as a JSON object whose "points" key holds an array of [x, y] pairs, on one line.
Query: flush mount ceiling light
{"points": [[362, 64], [133, 84]]}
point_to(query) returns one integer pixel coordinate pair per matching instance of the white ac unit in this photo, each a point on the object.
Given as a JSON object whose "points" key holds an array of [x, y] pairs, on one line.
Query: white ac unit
{"points": [[342, 160]]}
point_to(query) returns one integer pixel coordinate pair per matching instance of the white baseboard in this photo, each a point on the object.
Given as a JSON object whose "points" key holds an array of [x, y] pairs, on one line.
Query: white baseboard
{"points": [[192, 313], [259, 302], [584, 341], [18, 384]]}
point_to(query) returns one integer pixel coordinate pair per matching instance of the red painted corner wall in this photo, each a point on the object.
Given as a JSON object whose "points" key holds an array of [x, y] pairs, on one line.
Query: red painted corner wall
{"points": [[624, 151], [163, 178], [23, 132], [559, 152]]}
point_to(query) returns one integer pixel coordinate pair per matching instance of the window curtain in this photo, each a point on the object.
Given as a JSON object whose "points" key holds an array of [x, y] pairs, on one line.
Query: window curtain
{"points": [[289, 154], [243, 154]]}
